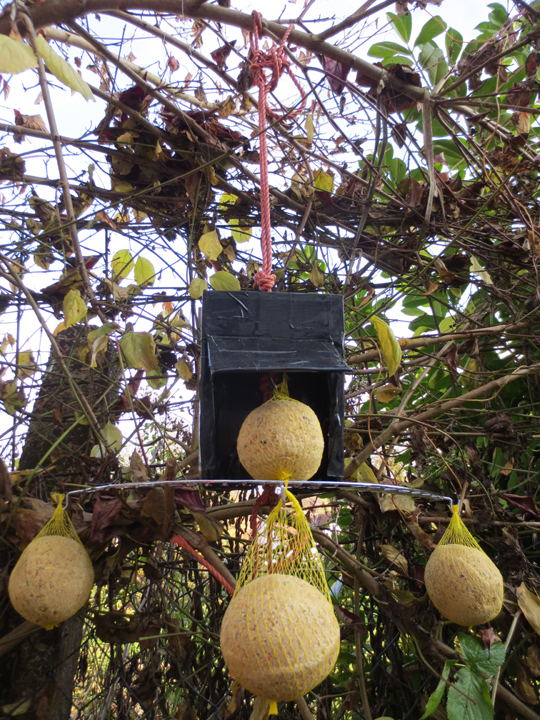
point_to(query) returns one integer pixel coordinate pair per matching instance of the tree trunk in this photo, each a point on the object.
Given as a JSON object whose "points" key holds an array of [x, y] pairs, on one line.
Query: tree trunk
{"points": [[38, 675]]}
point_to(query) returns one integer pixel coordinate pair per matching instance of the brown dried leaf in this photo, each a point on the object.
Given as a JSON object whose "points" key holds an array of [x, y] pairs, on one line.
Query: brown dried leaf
{"points": [[5, 483], [154, 505], [530, 606], [237, 692], [138, 468], [533, 660]]}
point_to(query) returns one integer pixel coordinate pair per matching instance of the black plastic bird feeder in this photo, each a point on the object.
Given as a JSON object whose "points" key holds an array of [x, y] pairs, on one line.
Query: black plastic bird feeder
{"points": [[247, 335]]}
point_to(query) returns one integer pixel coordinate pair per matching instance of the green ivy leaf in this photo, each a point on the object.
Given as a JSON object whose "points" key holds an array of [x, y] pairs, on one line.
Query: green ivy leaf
{"points": [[139, 351], [74, 308], [434, 26], [437, 695], [402, 25], [61, 69], [390, 348], [479, 657], [15, 56], [475, 687], [223, 280], [144, 272], [122, 264]]}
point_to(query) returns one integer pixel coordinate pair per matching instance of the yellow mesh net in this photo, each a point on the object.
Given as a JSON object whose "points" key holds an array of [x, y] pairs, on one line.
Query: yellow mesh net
{"points": [[60, 523], [284, 545], [456, 532], [295, 624]]}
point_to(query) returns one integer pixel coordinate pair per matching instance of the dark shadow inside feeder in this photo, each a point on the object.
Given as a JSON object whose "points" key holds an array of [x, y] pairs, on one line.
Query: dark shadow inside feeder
{"points": [[237, 394]]}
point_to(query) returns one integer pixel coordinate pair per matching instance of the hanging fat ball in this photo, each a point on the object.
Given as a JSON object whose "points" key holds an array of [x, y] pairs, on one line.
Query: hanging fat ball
{"points": [[282, 439], [51, 581], [54, 576], [280, 637], [462, 582]]}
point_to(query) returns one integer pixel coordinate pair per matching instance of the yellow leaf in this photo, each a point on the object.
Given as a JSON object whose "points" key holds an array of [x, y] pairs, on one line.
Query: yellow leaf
{"points": [[367, 473], [309, 128], [389, 503], [240, 234], [15, 56], [58, 329], [61, 69], [210, 246], [390, 348], [387, 393], [323, 181], [530, 607], [157, 378], [184, 370], [316, 276], [210, 529], [228, 199], [223, 280], [122, 186], [122, 264], [479, 270], [144, 272], [196, 288], [395, 558], [26, 366], [113, 436], [74, 308], [139, 350]]}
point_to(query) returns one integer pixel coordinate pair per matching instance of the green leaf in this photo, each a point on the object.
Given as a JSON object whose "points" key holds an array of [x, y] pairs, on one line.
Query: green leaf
{"points": [[454, 44], [398, 170], [475, 687], [74, 308], [15, 56], [157, 378], [210, 246], [387, 50], [223, 280], [402, 25], [390, 348], [431, 58], [61, 69], [144, 272], [106, 329], [122, 264], [240, 234], [498, 15], [479, 657], [196, 288], [434, 26], [437, 695], [113, 436], [451, 152], [139, 350]]}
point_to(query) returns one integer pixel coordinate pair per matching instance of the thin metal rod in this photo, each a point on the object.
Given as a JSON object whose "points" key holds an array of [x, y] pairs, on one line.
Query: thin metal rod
{"points": [[307, 485]]}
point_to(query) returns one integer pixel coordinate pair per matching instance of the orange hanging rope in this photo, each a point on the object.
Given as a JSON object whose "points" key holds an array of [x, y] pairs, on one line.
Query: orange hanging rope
{"points": [[277, 63], [179, 540]]}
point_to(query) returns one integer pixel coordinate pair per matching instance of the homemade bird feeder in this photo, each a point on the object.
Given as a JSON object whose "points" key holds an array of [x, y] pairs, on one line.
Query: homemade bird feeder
{"points": [[248, 338]]}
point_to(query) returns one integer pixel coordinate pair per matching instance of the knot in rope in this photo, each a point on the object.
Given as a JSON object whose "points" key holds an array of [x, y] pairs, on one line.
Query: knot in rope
{"points": [[277, 63]]}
